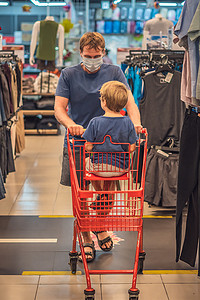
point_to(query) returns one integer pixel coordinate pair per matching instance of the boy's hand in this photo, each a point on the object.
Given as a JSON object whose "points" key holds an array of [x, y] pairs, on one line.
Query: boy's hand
{"points": [[88, 146], [76, 129]]}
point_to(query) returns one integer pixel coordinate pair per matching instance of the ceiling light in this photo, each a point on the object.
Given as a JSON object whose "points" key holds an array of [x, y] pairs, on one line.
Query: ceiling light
{"points": [[38, 3], [4, 3], [168, 4], [117, 1]]}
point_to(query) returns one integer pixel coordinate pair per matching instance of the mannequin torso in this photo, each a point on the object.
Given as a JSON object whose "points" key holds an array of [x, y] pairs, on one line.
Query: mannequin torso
{"points": [[35, 35], [155, 26]]}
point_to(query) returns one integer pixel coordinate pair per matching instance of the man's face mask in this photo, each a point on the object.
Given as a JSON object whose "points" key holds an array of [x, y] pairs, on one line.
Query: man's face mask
{"points": [[92, 64]]}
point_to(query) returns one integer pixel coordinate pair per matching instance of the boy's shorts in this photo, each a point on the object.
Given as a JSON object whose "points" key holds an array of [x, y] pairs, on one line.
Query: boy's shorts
{"points": [[107, 169]]}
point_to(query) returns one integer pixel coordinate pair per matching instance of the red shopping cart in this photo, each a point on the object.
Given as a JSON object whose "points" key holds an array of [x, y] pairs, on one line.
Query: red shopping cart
{"points": [[117, 209]]}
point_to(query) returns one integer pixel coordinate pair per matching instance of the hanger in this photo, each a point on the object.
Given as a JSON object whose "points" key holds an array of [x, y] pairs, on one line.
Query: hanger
{"points": [[164, 68]]}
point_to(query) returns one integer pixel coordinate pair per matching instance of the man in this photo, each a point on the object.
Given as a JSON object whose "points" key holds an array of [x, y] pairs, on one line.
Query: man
{"points": [[78, 89]]}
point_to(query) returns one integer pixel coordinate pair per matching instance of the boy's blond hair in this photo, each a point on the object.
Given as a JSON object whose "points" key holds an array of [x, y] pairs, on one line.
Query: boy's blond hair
{"points": [[115, 94], [93, 40]]}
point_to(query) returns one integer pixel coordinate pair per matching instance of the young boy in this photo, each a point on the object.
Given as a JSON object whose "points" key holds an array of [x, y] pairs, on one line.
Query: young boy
{"points": [[114, 97]]}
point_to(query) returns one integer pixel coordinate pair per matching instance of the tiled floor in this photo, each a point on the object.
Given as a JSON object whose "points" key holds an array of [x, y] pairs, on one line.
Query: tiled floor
{"points": [[34, 189], [107, 287]]}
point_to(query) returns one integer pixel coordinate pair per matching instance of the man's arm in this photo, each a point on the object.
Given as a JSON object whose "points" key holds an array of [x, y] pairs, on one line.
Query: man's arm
{"points": [[61, 115], [132, 148], [133, 112]]}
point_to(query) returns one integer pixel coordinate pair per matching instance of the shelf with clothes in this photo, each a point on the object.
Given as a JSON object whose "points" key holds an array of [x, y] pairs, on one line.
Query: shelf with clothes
{"points": [[38, 94], [42, 131], [124, 15], [38, 111], [38, 104], [118, 27]]}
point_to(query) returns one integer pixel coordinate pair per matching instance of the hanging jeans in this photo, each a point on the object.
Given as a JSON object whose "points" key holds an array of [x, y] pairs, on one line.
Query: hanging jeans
{"points": [[189, 189]]}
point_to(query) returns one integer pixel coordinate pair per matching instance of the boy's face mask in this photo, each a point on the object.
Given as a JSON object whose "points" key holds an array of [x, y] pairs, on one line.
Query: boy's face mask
{"points": [[92, 64]]}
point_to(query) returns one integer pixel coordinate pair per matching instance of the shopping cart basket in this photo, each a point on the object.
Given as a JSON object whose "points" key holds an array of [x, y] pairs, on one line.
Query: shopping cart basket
{"points": [[119, 209]]}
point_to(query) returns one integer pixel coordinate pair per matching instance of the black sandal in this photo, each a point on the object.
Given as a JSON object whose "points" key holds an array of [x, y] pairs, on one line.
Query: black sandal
{"points": [[101, 204], [92, 254], [104, 241]]}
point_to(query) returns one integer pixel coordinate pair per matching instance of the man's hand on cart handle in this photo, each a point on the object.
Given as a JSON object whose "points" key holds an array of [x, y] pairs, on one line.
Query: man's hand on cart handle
{"points": [[138, 128], [76, 129]]}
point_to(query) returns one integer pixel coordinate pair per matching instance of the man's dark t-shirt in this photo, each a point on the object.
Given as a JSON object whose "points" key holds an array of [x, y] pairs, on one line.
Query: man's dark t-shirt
{"points": [[82, 90]]}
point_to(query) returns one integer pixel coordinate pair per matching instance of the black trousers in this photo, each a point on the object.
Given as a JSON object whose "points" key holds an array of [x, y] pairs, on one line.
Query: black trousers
{"points": [[65, 174], [189, 189]]}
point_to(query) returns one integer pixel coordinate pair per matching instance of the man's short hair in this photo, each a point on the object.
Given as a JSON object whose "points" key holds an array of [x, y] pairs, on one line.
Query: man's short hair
{"points": [[93, 40], [116, 95]]}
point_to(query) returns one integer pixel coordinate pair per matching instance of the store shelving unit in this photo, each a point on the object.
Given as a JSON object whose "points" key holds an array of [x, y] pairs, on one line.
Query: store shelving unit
{"points": [[42, 131], [38, 94], [42, 112], [38, 112]]}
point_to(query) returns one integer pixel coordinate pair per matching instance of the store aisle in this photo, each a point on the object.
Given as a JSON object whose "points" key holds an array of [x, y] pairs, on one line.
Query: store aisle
{"points": [[34, 189]]}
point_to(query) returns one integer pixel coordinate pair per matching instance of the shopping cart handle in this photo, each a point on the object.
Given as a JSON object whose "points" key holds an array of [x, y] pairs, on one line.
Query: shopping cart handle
{"points": [[144, 130]]}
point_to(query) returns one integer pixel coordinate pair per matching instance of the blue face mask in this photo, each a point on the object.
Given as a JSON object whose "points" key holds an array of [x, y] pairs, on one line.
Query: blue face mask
{"points": [[92, 64]]}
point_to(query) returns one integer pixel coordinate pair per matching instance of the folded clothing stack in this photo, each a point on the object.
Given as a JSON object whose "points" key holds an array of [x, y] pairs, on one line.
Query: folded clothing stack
{"points": [[40, 122], [28, 85], [46, 83]]}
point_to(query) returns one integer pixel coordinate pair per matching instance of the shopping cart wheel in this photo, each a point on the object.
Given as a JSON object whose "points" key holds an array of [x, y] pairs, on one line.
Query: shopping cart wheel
{"points": [[141, 262], [133, 294], [89, 295], [73, 261]]}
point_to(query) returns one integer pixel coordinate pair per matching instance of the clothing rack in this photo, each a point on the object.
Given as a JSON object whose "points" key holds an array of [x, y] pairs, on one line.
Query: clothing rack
{"points": [[8, 54], [139, 62], [153, 57], [149, 71], [10, 96]]}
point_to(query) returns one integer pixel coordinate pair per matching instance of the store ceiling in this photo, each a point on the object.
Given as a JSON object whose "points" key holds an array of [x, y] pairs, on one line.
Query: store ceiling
{"points": [[96, 1]]}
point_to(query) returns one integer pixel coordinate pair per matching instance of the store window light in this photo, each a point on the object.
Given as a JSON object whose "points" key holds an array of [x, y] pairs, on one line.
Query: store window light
{"points": [[117, 1], [4, 3], [165, 4], [38, 3], [168, 4]]}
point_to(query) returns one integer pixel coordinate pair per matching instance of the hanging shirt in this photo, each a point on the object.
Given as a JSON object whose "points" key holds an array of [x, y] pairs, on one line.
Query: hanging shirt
{"points": [[3, 118], [186, 80], [186, 17], [194, 35], [161, 110], [137, 86], [47, 40], [181, 30]]}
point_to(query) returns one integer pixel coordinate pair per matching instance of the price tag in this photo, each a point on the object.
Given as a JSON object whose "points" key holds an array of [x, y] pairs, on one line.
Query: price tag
{"points": [[169, 77], [163, 153]]}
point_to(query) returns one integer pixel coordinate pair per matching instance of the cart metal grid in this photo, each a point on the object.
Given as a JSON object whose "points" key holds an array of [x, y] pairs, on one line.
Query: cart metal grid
{"points": [[120, 209]]}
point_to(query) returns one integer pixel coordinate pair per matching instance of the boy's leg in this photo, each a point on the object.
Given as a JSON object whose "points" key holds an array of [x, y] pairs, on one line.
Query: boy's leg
{"points": [[98, 185]]}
